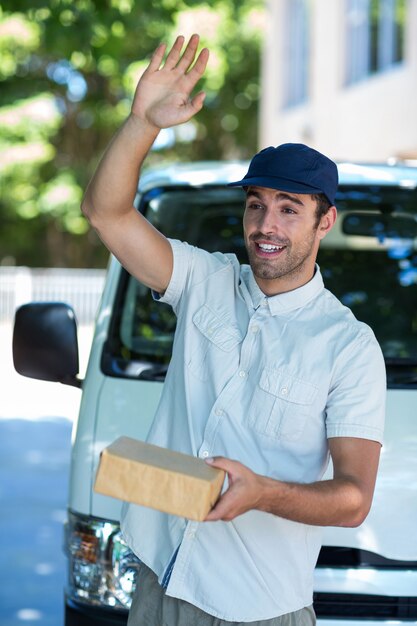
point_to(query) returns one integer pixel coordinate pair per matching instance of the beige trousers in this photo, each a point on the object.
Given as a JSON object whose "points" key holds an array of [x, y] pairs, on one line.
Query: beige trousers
{"points": [[152, 607]]}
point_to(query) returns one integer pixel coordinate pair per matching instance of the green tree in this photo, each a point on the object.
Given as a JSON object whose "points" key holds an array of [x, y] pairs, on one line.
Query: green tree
{"points": [[67, 73]]}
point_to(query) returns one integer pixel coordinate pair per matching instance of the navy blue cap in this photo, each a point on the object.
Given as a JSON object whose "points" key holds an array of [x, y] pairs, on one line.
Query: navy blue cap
{"points": [[292, 167]]}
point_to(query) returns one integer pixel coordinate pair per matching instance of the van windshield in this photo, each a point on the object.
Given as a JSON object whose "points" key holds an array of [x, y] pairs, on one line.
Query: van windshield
{"points": [[368, 260]]}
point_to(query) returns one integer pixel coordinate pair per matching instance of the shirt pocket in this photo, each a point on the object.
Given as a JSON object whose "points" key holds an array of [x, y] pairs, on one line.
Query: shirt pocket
{"points": [[281, 405], [213, 339]]}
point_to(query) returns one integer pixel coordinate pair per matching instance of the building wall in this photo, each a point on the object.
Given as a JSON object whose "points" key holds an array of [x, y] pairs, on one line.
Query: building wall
{"points": [[371, 120]]}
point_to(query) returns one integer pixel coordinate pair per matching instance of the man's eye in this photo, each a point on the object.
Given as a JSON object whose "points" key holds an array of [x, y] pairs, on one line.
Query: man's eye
{"points": [[288, 210], [254, 205]]}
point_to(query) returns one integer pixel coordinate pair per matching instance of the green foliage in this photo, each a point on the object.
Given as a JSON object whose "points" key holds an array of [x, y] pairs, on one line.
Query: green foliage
{"points": [[68, 70]]}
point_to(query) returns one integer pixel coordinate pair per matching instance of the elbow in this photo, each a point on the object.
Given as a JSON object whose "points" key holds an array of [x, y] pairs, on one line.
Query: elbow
{"points": [[357, 513], [354, 521], [86, 208]]}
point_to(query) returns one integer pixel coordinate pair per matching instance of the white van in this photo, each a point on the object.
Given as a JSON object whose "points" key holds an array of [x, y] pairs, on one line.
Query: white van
{"points": [[369, 260]]}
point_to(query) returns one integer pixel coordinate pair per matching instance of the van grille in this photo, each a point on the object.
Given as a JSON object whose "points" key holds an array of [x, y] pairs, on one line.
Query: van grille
{"points": [[358, 606]]}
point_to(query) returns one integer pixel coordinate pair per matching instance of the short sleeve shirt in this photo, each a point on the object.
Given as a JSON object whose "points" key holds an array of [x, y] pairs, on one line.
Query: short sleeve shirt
{"points": [[265, 381]]}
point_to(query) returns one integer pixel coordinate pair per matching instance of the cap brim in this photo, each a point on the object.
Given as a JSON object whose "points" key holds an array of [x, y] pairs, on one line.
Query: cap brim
{"points": [[278, 183], [275, 183]]}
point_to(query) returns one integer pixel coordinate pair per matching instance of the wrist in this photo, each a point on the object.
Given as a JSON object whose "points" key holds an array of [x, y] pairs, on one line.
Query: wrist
{"points": [[141, 125], [269, 494]]}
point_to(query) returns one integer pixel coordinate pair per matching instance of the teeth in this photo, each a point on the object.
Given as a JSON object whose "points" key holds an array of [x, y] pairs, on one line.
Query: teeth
{"points": [[268, 247]]}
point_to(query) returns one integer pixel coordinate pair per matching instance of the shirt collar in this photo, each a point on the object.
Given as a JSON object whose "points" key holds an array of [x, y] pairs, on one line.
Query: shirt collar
{"points": [[288, 301]]}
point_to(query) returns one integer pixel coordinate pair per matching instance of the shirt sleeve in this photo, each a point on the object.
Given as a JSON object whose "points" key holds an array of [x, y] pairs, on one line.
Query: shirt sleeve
{"points": [[356, 401], [182, 257], [192, 266]]}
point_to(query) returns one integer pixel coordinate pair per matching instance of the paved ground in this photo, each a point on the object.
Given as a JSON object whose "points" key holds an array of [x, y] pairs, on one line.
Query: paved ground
{"points": [[34, 458], [35, 434]]}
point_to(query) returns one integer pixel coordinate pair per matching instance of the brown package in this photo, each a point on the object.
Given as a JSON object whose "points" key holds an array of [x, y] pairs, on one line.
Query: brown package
{"points": [[162, 479]]}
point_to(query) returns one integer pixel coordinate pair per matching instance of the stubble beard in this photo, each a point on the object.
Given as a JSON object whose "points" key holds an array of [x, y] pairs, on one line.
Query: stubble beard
{"points": [[289, 264]]}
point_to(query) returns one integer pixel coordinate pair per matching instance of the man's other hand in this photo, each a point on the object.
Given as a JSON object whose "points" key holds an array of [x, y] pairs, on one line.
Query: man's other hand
{"points": [[243, 493]]}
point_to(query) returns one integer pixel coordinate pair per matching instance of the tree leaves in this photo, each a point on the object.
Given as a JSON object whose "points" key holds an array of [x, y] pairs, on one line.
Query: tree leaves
{"points": [[68, 69]]}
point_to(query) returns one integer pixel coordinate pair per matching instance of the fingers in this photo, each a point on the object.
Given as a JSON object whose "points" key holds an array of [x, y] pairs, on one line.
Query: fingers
{"points": [[157, 57], [233, 502], [175, 53], [243, 493], [189, 54], [199, 66], [221, 462], [183, 63], [198, 101], [222, 510]]}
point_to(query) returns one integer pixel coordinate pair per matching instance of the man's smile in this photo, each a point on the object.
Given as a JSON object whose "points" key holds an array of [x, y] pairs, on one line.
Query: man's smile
{"points": [[269, 248], [265, 248]]}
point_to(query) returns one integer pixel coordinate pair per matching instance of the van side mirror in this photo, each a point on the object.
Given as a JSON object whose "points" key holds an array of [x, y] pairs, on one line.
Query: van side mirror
{"points": [[45, 344]]}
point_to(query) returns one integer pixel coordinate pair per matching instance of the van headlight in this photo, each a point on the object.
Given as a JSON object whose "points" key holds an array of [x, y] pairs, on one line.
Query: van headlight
{"points": [[102, 569]]}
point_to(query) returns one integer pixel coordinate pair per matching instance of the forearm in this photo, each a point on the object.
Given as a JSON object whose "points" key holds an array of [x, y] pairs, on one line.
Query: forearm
{"points": [[112, 189], [162, 99], [344, 500], [337, 502]]}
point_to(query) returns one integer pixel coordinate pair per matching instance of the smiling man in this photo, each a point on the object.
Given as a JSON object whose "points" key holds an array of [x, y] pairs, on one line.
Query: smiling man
{"points": [[282, 238], [270, 377], [289, 209], [282, 235]]}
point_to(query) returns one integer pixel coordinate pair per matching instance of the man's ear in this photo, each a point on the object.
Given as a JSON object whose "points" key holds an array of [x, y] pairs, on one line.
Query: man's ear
{"points": [[327, 222]]}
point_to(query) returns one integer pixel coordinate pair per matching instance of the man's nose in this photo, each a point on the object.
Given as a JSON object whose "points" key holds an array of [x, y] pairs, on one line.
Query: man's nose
{"points": [[269, 222]]}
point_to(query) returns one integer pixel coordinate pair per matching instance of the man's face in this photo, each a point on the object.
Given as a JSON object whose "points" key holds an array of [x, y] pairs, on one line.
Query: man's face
{"points": [[282, 237]]}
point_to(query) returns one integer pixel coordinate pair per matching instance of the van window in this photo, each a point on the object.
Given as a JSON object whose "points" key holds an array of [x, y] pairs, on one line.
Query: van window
{"points": [[368, 260]]}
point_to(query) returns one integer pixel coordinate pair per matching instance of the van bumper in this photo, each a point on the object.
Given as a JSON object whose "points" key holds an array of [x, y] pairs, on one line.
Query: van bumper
{"points": [[77, 614], [332, 609]]}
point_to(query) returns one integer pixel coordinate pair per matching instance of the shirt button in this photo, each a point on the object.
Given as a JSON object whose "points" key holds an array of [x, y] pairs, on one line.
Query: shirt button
{"points": [[254, 328], [191, 533], [218, 412], [242, 373], [284, 391], [205, 454]]}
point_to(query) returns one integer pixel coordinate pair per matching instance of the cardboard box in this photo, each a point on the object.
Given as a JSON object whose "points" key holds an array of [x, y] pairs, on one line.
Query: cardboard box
{"points": [[162, 479]]}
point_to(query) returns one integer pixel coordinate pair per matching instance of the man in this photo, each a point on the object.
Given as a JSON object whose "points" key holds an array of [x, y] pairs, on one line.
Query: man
{"points": [[270, 375]]}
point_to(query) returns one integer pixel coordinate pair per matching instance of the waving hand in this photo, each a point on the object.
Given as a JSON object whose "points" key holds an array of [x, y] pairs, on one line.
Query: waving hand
{"points": [[163, 98], [163, 95]]}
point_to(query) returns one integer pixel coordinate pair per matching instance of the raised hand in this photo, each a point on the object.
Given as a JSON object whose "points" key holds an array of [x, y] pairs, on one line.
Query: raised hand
{"points": [[163, 95]]}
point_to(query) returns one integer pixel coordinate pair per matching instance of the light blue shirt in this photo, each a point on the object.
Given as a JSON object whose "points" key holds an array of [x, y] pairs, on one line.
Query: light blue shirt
{"points": [[265, 381]]}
